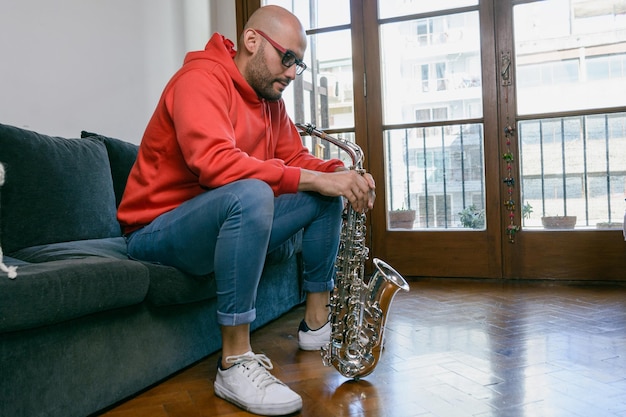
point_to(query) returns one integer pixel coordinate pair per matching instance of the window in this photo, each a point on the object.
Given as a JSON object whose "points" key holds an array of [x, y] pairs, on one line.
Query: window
{"points": [[571, 165], [438, 171]]}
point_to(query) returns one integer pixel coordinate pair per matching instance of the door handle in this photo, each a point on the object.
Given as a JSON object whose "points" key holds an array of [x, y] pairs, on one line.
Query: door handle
{"points": [[505, 67]]}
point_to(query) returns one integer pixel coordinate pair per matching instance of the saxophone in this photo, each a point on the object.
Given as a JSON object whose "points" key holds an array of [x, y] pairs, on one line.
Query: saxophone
{"points": [[358, 309]]}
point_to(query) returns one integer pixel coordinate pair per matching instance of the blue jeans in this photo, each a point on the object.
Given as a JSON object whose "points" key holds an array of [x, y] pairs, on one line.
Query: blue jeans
{"points": [[231, 229]]}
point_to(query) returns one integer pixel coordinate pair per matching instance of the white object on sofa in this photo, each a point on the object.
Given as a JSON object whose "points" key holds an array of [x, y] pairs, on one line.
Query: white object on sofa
{"points": [[11, 271]]}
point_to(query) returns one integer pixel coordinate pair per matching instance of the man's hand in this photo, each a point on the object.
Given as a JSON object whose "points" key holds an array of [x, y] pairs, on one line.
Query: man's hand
{"points": [[358, 189]]}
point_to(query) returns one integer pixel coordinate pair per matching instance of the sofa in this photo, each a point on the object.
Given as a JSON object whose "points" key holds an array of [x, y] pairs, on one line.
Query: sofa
{"points": [[83, 327]]}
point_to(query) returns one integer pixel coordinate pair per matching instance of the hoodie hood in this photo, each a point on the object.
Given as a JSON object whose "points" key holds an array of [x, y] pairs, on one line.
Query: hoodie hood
{"points": [[219, 54]]}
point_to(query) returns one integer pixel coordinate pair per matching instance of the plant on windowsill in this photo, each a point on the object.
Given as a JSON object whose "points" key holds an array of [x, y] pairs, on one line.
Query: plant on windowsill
{"points": [[472, 218], [558, 222], [401, 218], [610, 225], [527, 209]]}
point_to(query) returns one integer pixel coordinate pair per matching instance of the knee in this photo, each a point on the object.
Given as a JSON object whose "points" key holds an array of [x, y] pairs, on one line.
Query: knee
{"points": [[254, 201], [256, 194]]}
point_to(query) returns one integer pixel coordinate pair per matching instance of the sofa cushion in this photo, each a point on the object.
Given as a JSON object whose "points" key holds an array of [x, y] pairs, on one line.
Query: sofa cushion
{"points": [[169, 286], [113, 247], [56, 190], [9, 261], [122, 156], [51, 292]]}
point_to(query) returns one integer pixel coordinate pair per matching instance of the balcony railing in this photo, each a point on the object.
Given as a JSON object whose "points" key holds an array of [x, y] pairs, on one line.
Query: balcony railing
{"points": [[569, 166], [574, 166], [438, 172]]}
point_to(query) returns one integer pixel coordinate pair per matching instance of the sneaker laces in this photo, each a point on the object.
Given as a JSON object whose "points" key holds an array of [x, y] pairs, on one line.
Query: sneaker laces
{"points": [[256, 368]]}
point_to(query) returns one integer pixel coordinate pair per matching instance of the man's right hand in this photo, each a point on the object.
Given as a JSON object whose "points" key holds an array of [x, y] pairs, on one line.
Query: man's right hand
{"points": [[358, 189]]}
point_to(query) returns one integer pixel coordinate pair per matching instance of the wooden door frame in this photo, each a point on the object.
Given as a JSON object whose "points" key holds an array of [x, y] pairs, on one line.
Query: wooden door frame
{"points": [[243, 10]]}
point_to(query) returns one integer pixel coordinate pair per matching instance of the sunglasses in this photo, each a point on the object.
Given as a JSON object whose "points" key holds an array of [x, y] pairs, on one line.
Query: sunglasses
{"points": [[289, 57]]}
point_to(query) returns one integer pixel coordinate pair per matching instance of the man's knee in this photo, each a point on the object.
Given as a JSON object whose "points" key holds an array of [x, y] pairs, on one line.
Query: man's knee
{"points": [[253, 203], [255, 194]]}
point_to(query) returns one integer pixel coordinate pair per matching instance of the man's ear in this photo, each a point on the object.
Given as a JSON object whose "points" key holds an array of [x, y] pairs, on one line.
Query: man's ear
{"points": [[251, 40]]}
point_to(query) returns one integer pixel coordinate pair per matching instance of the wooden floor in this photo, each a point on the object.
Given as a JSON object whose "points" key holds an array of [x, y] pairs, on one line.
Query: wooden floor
{"points": [[453, 348]]}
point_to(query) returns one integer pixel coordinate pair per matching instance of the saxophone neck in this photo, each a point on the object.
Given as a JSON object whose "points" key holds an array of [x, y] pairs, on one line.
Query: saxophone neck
{"points": [[352, 149]]}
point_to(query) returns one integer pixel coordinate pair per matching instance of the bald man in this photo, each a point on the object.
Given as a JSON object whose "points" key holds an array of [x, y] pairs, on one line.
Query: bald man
{"points": [[222, 179]]}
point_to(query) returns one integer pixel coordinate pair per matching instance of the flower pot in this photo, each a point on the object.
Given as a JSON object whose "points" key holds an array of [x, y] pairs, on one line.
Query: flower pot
{"points": [[558, 222], [401, 219], [610, 225]]}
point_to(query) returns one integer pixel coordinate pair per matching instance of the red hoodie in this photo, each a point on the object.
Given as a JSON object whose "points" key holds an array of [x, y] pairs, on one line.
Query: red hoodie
{"points": [[209, 129]]}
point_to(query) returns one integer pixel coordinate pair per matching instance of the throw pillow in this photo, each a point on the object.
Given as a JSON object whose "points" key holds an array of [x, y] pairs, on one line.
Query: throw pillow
{"points": [[56, 190], [122, 156]]}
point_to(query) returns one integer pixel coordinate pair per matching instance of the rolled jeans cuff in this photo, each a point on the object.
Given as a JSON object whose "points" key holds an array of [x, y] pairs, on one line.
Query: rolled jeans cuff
{"points": [[237, 318], [316, 286]]}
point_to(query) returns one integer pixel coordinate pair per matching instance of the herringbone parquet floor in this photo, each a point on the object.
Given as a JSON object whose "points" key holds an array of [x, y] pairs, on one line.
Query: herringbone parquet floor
{"points": [[453, 348]]}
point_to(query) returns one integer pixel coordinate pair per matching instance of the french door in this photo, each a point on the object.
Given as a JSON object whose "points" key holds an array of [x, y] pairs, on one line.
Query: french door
{"points": [[478, 119], [563, 96]]}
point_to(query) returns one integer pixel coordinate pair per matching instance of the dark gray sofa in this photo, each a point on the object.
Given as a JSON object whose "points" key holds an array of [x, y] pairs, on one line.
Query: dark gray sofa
{"points": [[82, 326]]}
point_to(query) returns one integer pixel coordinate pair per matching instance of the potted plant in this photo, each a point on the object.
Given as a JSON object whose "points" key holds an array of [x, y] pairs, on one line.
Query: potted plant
{"points": [[401, 218], [558, 222], [472, 218], [527, 209]]}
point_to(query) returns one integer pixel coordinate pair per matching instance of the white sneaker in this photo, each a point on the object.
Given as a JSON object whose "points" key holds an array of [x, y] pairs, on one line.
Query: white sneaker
{"points": [[249, 385], [313, 339]]}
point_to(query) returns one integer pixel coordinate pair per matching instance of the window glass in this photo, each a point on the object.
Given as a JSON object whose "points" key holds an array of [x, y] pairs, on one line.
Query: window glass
{"points": [[317, 13], [574, 166], [431, 69], [569, 55], [431, 72], [393, 8], [438, 173]]}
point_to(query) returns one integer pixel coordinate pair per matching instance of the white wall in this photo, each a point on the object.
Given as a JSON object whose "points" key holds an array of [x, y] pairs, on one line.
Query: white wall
{"points": [[97, 65]]}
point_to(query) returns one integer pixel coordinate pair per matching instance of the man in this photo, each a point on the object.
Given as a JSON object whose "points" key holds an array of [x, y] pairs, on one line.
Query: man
{"points": [[222, 179]]}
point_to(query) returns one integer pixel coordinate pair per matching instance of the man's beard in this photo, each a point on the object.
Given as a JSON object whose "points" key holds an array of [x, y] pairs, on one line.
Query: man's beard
{"points": [[261, 80]]}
